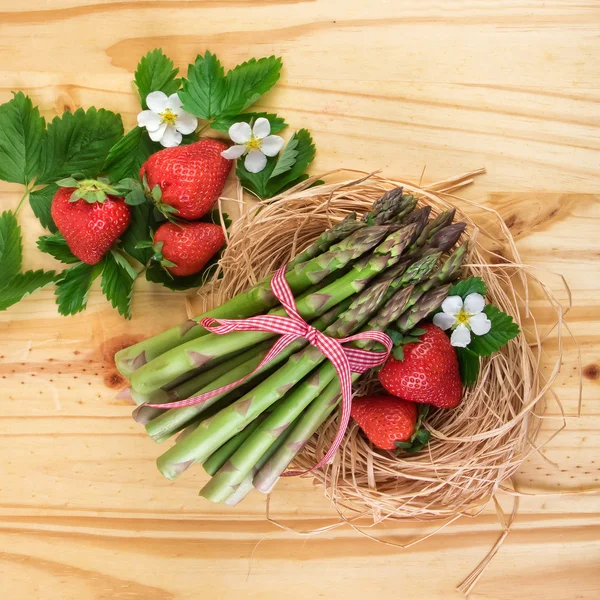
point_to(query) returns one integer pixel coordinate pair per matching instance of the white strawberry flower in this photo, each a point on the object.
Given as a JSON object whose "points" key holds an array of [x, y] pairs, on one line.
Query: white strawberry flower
{"points": [[165, 120], [255, 142], [464, 318]]}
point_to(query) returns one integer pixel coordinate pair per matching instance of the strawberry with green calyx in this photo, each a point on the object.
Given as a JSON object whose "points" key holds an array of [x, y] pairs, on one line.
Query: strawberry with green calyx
{"points": [[185, 248], [428, 371], [186, 181], [91, 216], [391, 423]]}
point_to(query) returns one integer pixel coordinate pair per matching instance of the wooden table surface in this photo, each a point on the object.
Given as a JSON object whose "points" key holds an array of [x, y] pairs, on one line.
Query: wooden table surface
{"points": [[396, 85]]}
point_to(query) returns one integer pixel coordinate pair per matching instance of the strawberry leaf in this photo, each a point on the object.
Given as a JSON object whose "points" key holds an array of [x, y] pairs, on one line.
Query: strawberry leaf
{"points": [[305, 154], [247, 82], [224, 122], [117, 283], [73, 287], [468, 364], [133, 191], [11, 247], [264, 184], [124, 263], [139, 232], [503, 330], [204, 89], [56, 246], [155, 73], [287, 159], [41, 205], [398, 353], [471, 285], [78, 142], [126, 156], [22, 130], [22, 285], [157, 274]]}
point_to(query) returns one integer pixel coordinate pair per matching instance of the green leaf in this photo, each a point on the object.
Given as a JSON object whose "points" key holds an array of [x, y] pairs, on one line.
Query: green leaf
{"points": [[417, 331], [78, 142], [138, 231], [503, 330], [22, 285], [156, 274], [56, 246], [471, 285], [133, 191], [11, 247], [224, 122], [468, 363], [286, 159], [204, 89], [127, 156], [21, 133], [155, 73], [69, 182], [124, 263], [73, 287], [398, 352], [117, 284], [305, 155], [264, 185], [41, 205], [247, 82]]}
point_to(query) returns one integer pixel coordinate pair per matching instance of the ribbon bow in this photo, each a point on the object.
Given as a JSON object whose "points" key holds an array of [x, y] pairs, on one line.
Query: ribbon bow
{"points": [[292, 327]]}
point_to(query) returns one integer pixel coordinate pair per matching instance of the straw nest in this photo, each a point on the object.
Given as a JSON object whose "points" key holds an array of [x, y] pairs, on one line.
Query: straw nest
{"points": [[475, 447]]}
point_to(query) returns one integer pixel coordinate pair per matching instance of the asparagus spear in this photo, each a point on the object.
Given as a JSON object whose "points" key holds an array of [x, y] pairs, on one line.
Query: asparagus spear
{"points": [[321, 408], [258, 299], [174, 363], [213, 433], [220, 456], [246, 486], [442, 220], [171, 420], [241, 462]]}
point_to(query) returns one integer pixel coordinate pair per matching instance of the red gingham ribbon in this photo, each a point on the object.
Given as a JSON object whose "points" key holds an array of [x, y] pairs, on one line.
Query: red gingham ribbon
{"points": [[345, 360]]}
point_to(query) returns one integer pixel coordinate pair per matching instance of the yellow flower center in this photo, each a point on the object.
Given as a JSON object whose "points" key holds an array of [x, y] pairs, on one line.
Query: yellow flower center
{"points": [[254, 144], [168, 117], [462, 318]]}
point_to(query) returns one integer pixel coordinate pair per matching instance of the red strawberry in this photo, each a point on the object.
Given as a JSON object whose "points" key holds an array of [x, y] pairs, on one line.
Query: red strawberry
{"points": [[89, 226], [188, 246], [428, 373], [385, 419], [191, 178]]}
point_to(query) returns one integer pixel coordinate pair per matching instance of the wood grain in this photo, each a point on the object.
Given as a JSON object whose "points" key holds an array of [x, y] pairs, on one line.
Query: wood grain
{"points": [[513, 86]]}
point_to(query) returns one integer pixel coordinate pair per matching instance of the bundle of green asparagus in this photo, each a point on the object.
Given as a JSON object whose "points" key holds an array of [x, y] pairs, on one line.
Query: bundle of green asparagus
{"points": [[389, 269]]}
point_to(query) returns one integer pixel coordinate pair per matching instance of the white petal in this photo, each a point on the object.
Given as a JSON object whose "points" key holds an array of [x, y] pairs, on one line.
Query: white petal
{"points": [[460, 337], [240, 133], [186, 123], [157, 134], [480, 324], [233, 152], [262, 128], [272, 144], [443, 320], [157, 101], [148, 119], [474, 303], [255, 161], [173, 102], [171, 137], [452, 305]]}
